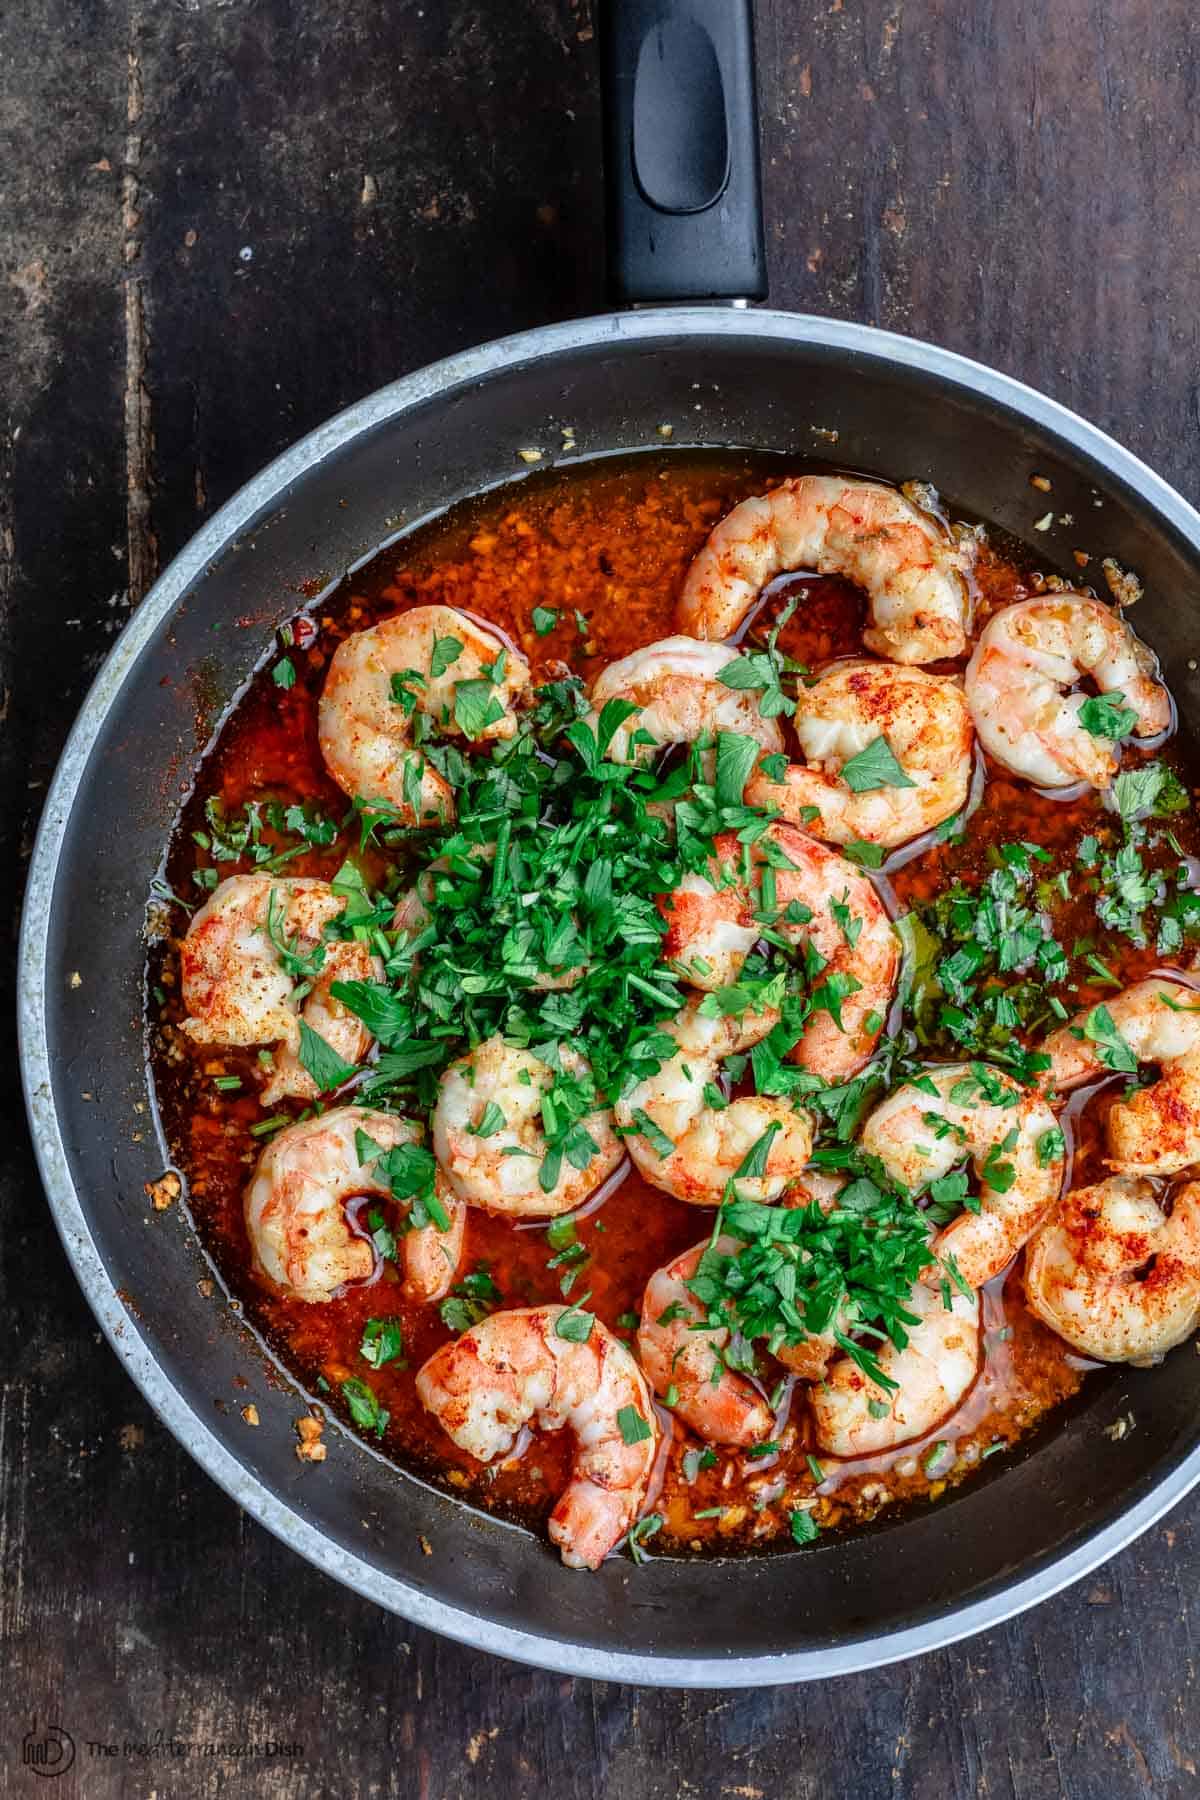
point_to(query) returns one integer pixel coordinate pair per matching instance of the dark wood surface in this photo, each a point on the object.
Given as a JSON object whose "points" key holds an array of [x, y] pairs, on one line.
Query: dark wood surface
{"points": [[220, 220]]}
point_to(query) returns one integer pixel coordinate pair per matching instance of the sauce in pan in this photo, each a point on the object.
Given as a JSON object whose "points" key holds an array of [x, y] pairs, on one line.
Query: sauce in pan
{"points": [[605, 548]]}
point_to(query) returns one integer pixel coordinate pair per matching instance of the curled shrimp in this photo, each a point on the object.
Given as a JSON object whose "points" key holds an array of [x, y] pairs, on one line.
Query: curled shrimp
{"points": [[713, 920], [856, 1416], [925, 1128], [380, 679], [1114, 1274], [685, 1141], [296, 1208], [680, 699], [519, 1368], [683, 1357], [923, 723], [911, 568], [1155, 1130], [1026, 659], [254, 964], [494, 1107]]}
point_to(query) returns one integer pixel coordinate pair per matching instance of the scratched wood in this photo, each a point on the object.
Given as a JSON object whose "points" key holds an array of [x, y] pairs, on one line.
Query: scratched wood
{"points": [[222, 220]]}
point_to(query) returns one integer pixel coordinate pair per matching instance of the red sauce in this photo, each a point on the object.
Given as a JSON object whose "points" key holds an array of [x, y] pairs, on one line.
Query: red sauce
{"points": [[607, 545]]}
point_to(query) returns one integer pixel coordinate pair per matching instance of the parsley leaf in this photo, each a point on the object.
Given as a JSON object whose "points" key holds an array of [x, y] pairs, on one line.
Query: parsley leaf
{"points": [[874, 767], [868, 856], [322, 1063], [474, 1297], [575, 1327], [736, 756], [386, 1015], [633, 1427], [365, 1409], [475, 707], [1104, 716], [446, 652], [1050, 1146], [491, 1120], [382, 1342], [645, 1528], [655, 1136], [759, 669], [411, 1172], [805, 1529], [1111, 1048], [1152, 790]]}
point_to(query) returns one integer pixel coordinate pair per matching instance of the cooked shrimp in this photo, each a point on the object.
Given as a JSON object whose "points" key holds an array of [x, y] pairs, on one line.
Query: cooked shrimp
{"points": [[238, 987], [296, 1201], [911, 568], [713, 921], [682, 1357], [515, 1369], [1026, 659], [925, 1128], [379, 678], [854, 1416], [709, 1143], [489, 1137], [1115, 1275], [1156, 1129], [675, 685], [921, 719]]}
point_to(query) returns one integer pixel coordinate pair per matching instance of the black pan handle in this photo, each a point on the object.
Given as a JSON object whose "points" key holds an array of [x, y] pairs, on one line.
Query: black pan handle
{"points": [[681, 144]]}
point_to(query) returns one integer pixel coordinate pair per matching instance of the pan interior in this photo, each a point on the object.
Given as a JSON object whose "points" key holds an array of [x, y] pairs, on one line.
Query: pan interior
{"points": [[409, 453]]}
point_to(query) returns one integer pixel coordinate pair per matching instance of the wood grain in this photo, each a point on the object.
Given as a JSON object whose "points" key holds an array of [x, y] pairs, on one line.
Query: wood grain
{"points": [[224, 219]]}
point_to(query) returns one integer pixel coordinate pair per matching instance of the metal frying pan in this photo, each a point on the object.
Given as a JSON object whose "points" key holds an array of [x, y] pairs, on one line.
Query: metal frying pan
{"points": [[686, 223]]}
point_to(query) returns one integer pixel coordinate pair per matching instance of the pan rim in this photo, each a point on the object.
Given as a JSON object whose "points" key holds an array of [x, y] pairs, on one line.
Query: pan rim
{"points": [[620, 330]]}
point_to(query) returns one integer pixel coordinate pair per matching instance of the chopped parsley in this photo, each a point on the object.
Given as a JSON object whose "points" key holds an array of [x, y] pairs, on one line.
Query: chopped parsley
{"points": [[1153, 791], [471, 1300], [804, 1527], [644, 1529], [799, 1272], [382, 1342], [633, 1427], [869, 856], [1104, 716], [693, 1461], [1111, 1048], [575, 1327], [764, 671], [446, 652], [476, 707], [980, 961], [874, 767], [659, 1142], [322, 1062], [364, 1406]]}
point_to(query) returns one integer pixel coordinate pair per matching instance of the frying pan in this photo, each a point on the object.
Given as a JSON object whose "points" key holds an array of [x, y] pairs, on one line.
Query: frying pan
{"points": [[685, 226]]}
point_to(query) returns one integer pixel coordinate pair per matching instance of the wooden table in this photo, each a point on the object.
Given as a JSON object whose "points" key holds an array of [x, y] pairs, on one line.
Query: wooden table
{"points": [[220, 221]]}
